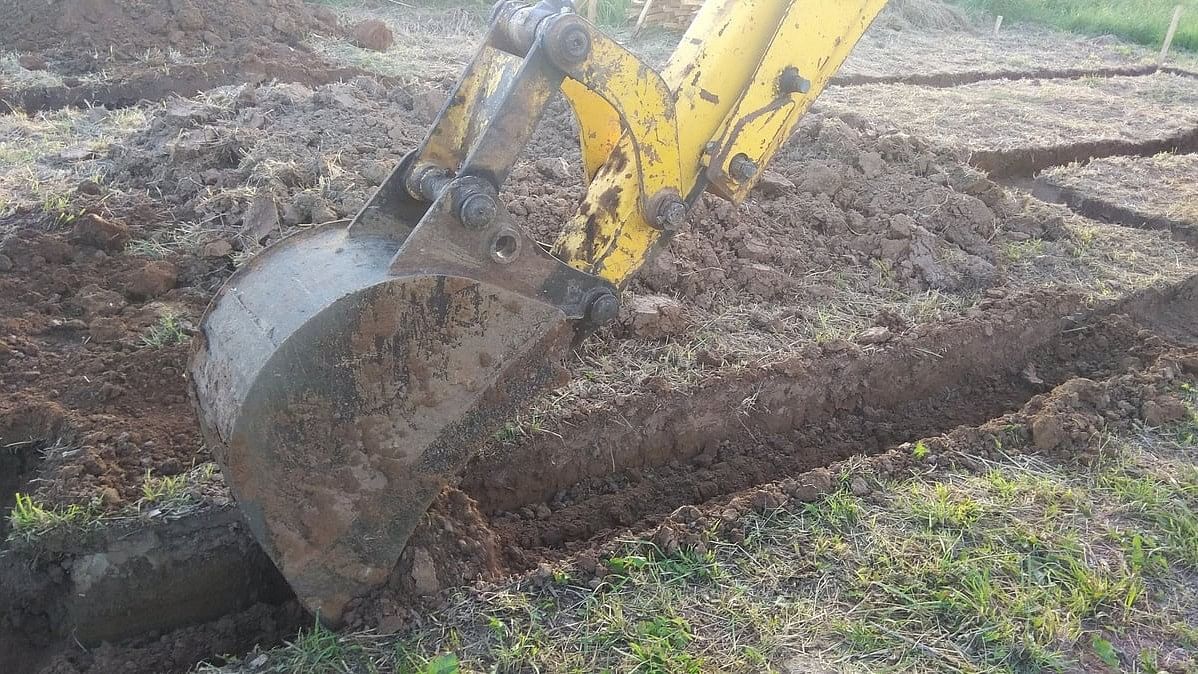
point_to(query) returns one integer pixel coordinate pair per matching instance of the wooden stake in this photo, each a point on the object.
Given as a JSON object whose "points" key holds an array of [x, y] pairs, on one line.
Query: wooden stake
{"points": [[1170, 35], [997, 25], [640, 20]]}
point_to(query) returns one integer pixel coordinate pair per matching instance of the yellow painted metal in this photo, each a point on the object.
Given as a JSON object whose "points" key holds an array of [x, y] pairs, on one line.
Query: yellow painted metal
{"points": [[814, 39], [724, 73], [465, 115], [610, 235], [599, 127]]}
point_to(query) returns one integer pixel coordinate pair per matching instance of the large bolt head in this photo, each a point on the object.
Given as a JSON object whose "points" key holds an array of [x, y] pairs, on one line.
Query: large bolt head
{"points": [[672, 215], [604, 309], [793, 82], [742, 168], [570, 44], [478, 211]]}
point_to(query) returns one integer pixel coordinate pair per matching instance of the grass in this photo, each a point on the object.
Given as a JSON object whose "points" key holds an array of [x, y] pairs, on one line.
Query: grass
{"points": [[29, 518], [168, 331], [1019, 565], [44, 157], [1142, 21]]}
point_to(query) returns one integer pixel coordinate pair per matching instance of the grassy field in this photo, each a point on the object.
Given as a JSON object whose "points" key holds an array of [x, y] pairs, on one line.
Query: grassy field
{"points": [[1143, 21]]}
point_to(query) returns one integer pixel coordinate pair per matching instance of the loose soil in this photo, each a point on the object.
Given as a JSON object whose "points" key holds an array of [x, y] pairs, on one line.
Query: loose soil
{"points": [[1159, 191], [128, 28], [865, 248], [1078, 427], [121, 53], [857, 229], [1020, 128]]}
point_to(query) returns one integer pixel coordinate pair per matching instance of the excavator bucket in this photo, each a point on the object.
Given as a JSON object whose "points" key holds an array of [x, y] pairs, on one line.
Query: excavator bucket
{"points": [[345, 375]]}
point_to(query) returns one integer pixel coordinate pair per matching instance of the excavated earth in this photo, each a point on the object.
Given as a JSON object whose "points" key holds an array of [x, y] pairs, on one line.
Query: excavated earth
{"points": [[876, 289], [120, 52]]}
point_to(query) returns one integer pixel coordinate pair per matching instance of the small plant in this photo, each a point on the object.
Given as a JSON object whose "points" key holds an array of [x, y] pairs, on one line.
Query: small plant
{"points": [[1023, 251], [319, 650], [920, 451], [1105, 651], [660, 646], [29, 518], [168, 331], [166, 490], [840, 511]]}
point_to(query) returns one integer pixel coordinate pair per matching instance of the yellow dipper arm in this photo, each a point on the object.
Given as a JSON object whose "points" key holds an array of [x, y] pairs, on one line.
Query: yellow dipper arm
{"points": [[742, 77]]}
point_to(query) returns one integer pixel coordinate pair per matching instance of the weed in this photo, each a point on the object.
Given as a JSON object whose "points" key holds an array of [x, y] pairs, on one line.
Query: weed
{"points": [[168, 331], [920, 450], [839, 511], [1019, 252], [521, 427], [659, 647], [29, 518], [939, 506], [320, 651], [166, 491]]}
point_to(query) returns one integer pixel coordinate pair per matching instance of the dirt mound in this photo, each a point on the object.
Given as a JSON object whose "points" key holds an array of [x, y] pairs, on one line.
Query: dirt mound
{"points": [[453, 546], [133, 26], [929, 15], [838, 195], [94, 342]]}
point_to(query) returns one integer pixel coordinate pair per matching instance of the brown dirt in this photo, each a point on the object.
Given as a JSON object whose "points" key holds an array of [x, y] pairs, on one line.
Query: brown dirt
{"points": [[876, 409], [114, 411], [1065, 421], [855, 223], [131, 84], [1097, 379], [887, 53], [115, 54], [130, 27]]}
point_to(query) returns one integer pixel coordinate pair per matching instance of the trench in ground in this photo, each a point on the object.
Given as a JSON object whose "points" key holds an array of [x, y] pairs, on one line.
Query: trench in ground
{"points": [[950, 80], [1022, 163], [592, 511], [1103, 211], [185, 81], [607, 506]]}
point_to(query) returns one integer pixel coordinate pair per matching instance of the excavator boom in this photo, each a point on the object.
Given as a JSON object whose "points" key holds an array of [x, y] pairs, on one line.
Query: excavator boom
{"points": [[347, 373]]}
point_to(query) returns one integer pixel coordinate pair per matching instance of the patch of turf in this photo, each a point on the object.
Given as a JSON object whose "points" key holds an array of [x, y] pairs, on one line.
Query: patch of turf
{"points": [[1141, 21]]}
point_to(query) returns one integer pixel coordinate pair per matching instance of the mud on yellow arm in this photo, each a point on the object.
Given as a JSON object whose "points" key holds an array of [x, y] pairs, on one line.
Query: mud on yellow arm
{"points": [[742, 77]]}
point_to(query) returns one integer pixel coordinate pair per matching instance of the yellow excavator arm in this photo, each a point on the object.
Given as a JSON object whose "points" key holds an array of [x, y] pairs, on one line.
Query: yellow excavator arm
{"points": [[347, 373], [740, 80]]}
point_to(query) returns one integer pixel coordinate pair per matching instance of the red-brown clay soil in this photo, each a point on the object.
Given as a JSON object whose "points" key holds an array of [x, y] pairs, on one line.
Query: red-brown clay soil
{"points": [[78, 386], [130, 27]]}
